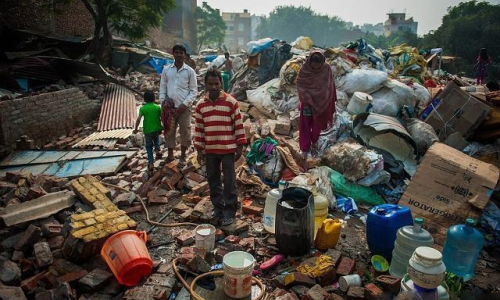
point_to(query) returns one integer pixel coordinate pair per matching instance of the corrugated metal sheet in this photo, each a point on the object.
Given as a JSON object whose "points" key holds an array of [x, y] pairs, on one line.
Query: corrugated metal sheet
{"points": [[118, 109], [34, 68], [63, 163], [104, 138], [107, 143]]}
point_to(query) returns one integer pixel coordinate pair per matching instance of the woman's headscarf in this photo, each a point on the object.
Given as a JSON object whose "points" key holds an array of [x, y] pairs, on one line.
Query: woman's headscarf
{"points": [[317, 90]]}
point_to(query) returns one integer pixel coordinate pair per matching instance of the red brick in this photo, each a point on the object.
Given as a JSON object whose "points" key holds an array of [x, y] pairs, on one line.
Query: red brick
{"points": [[346, 266], [51, 229], [185, 238], [191, 198], [253, 210], [296, 278], [29, 237], [373, 292], [315, 293], [335, 255], [219, 235], [133, 209], [195, 177], [248, 242], [35, 192], [200, 188], [389, 283], [356, 293], [232, 239], [29, 285], [73, 276], [17, 255], [180, 208]]}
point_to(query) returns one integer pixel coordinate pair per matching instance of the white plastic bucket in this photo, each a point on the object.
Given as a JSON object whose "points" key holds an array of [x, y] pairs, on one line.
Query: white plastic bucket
{"points": [[426, 268], [345, 282], [204, 236], [238, 268], [358, 103]]}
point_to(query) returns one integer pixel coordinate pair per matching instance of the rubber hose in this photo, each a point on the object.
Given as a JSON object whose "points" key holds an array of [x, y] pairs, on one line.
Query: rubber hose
{"points": [[191, 290], [146, 210]]}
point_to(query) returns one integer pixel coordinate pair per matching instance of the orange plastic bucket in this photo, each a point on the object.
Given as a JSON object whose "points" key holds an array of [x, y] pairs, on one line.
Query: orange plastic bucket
{"points": [[127, 256]]}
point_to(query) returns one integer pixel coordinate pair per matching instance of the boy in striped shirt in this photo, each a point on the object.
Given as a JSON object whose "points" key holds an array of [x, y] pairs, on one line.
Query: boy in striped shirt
{"points": [[219, 139]]}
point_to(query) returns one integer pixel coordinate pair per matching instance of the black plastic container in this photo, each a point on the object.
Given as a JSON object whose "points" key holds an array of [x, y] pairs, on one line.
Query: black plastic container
{"points": [[295, 222]]}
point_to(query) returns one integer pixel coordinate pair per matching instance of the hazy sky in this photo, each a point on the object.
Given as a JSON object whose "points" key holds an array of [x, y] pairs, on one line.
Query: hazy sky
{"points": [[428, 13]]}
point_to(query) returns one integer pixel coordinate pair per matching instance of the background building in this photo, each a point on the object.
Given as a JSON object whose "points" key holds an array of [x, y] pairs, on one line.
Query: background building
{"points": [[181, 23], [377, 29], [238, 30], [398, 22]]}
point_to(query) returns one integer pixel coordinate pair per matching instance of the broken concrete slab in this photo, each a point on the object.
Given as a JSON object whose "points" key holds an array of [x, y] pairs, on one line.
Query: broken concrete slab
{"points": [[94, 280], [37, 209]]}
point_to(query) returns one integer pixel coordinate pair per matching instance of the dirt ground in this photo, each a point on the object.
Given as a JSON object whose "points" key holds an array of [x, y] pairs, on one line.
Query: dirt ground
{"points": [[352, 244]]}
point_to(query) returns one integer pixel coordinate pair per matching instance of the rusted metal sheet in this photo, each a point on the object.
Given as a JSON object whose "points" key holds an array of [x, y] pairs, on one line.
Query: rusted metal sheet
{"points": [[118, 109]]}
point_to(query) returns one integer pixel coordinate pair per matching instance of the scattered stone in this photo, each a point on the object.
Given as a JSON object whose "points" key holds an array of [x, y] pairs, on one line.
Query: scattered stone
{"points": [[289, 296], [299, 290], [124, 200], [56, 242], [17, 255], [296, 278], [185, 238], [9, 272], [335, 256], [28, 238], [335, 297], [315, 293], [63, 292], [232, 239], [279, 281], [43, 254], [236, 228], [198, 265], [248, 242], [94, 280], [11, 293], [356, 293]]}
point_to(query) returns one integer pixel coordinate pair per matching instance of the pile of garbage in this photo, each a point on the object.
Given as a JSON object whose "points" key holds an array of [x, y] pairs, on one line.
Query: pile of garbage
{"points": [[328, 227]]}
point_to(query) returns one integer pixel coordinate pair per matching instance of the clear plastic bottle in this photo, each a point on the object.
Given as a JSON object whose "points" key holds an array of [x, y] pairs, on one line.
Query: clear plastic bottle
{"points": [[408, 239], [461, 249]]}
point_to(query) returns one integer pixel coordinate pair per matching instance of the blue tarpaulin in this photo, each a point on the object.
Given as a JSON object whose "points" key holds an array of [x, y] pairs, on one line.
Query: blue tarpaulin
{"points": [[159, 63]]}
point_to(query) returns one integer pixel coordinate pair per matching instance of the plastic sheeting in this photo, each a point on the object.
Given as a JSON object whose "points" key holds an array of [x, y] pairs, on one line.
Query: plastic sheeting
{"points": [[388, 137], [391, 98], [271, 61], [366, 81], [270, 97], [256, 47]]}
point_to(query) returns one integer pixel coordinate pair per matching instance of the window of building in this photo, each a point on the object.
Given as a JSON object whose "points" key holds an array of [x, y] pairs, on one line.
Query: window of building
{"points": [[241, 27], [230, 28], [241, 42]]}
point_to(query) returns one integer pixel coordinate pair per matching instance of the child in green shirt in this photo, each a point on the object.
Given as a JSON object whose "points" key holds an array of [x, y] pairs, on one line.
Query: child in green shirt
{"points": [[151, 126]]}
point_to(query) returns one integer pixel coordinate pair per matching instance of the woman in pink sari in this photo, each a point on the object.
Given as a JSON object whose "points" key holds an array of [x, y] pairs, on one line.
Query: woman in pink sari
{"points": [[317, 97]]}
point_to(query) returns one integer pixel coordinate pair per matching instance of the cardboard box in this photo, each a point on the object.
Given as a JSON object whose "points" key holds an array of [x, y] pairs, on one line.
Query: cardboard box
{"points": [[457, 111], [449, 187]]}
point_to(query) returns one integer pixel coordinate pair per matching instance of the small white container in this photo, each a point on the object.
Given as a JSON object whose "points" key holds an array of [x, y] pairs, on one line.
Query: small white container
{"points": [[426, 268], [238, 268], [269, 217], [204, 238], [358, 103], [345, 282]]}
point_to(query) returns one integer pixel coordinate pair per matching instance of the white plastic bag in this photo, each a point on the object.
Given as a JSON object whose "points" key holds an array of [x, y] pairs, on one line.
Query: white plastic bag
{"points": [[392, 97], [366, 81], [422, 96]]}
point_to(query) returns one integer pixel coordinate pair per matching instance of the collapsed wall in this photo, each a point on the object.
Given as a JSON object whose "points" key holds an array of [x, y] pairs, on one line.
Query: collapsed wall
{"points": [[46, 116]]}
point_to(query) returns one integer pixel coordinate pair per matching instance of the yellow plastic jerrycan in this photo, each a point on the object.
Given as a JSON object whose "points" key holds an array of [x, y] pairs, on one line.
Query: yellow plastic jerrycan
{"points": [[328, 234], [320, 209]]}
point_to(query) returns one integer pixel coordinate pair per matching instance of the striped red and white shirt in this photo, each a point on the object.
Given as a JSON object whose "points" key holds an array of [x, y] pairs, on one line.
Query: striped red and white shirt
{"points": [[219, 125]]}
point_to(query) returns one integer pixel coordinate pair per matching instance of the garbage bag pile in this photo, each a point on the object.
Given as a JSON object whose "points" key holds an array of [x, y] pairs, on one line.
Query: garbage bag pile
{"points": [[381, 130]]}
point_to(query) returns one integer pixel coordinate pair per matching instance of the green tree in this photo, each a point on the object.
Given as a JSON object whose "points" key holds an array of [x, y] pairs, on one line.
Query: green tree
{"points": [[289, 22], [133, 18], [465, 29], [210, 26], [395, 39]]}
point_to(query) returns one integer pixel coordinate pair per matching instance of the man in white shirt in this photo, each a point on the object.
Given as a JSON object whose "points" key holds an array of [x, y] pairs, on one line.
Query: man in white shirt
{"points": [[178, 86]]}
